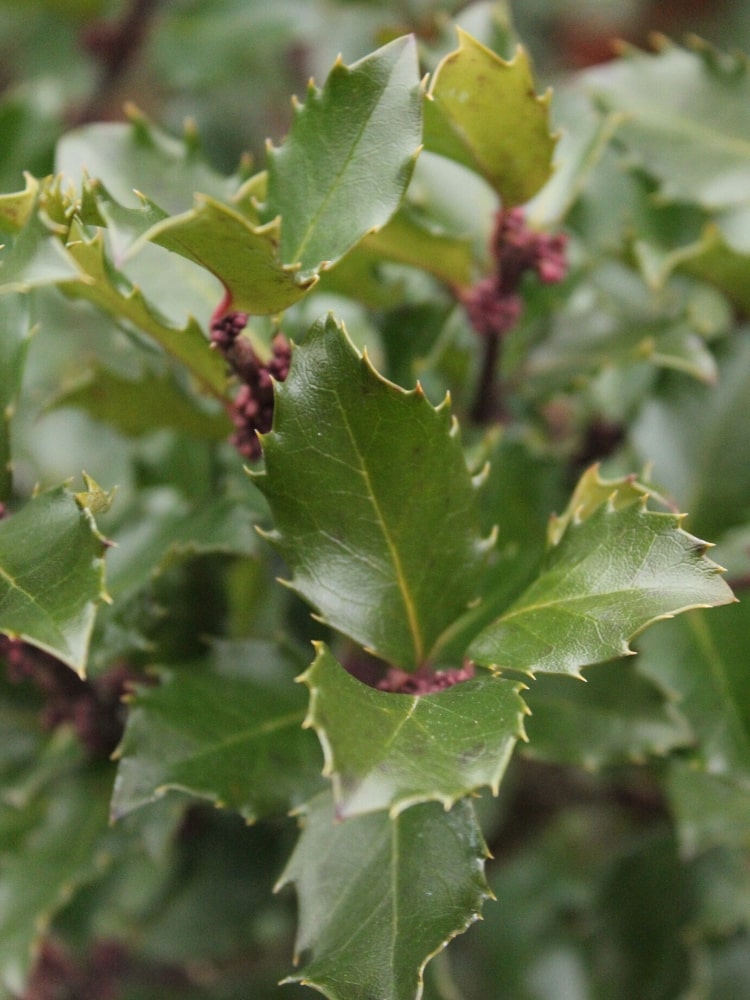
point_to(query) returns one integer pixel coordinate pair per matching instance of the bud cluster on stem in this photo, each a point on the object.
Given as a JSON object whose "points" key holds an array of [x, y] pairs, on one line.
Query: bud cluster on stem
{"points": [[252, 408]]}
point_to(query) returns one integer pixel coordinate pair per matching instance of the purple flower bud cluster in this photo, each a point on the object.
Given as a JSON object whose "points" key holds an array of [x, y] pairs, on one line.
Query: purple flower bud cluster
{"points": [[494, 304], [252, 408], [93, 708], [425, 680]]}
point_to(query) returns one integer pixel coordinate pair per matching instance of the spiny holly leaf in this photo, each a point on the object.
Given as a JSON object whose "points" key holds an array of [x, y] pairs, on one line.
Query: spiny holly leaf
{"points": [[139, 406], [127, 304], [362, 479], [710, 810], [14, 338], [684, 119], [52, 574], [231, 733], [242, 256], [482, 112], [378, 897], [343, 169], [612, 572], [390, 751], [617, 716]]}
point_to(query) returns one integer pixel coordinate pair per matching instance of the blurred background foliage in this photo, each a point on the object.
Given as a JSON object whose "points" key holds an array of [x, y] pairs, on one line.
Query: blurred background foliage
{"points": [[596, 897]]}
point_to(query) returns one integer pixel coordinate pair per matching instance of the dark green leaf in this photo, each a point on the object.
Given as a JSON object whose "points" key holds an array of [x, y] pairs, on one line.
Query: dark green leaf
{"points": [[379, 897], [483, 112], [348, 158], [390, 751], [613, 571], [230, 733], [362, 478], [52, 574]]}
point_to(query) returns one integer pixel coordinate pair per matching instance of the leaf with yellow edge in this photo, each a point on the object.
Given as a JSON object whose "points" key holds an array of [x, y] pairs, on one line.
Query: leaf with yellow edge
{"points": [[483, 112]]}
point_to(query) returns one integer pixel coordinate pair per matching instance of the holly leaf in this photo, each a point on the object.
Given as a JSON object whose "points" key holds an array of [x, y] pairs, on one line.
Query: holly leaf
{"points": [[379, 897], [243, 257], [613, 571], [390, 751], [52, 575], [362, 477], [483, 112], [407, 239], [231, 733], [684, 119], [348, 158]]}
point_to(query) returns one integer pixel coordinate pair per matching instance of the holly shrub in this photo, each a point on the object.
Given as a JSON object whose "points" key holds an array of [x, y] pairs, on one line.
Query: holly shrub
{"points": [[337, 492]]}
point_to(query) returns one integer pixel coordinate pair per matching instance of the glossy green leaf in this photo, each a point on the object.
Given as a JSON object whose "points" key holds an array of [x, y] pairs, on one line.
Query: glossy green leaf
{"points": [[684, 119], [231, 733], [348, 158], [362, 478], [378, 897], [609, 575], [483, 112], [52, 575], [617, 716], [139, 406], [390, 751]]}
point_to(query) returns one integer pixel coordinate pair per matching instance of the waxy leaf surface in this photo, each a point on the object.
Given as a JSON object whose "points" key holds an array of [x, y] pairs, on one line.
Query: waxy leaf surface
{"points": [[363, 478], [52, 575], [483, 112], [378, 897], [607, 578], [345, 165], [231, 733], [390, 751]]}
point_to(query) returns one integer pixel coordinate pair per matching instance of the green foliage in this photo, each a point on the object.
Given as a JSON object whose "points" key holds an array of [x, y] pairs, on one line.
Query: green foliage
{"points": [[449, 432]]}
